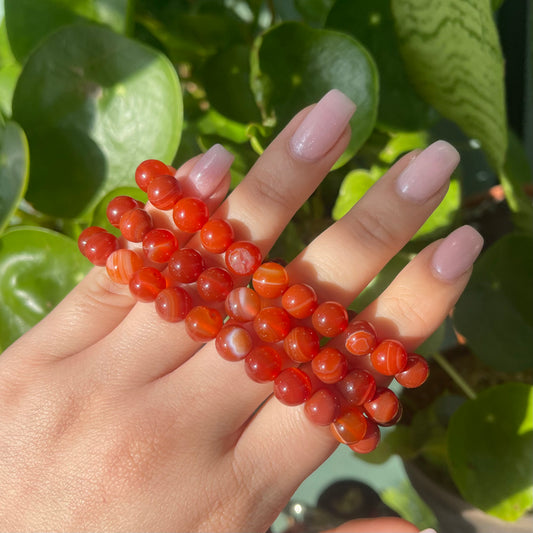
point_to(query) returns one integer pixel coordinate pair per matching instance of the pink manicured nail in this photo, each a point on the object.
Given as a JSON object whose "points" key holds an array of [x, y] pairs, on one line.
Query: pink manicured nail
{"points": [[322, 127], [428, 530], [210, 169], [428, 172], [457, 253]]}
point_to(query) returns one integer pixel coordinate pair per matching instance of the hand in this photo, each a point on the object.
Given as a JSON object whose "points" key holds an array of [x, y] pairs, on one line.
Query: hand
{"points": [[113, 419]]}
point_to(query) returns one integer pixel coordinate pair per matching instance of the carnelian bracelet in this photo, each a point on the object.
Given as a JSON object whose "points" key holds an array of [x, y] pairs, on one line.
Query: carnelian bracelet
{"points": [[276, 328]]}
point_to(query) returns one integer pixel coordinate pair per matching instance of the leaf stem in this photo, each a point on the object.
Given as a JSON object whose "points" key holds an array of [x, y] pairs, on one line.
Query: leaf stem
{"points": [[454, 375]]}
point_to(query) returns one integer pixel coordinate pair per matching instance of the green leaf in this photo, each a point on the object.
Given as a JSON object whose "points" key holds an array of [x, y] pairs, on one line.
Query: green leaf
{"points": [[453, 58], [29, 21], [94, 105], [381, 281], [514, 177], [191, 32], [294, 66], [400, 108], [9, 72], [14, 161], [314, 11], [495, 313], [489, 444], [38, 267], [226, 78]]}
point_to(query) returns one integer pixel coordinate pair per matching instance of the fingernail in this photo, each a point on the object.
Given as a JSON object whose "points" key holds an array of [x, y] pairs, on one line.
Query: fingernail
{"points": [[210, 169], [428, 172], [457, 253], [428, 530], [322, 127]]}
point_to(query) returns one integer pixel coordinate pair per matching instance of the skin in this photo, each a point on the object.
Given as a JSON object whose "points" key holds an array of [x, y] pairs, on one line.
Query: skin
{"points": [[113, 420]]}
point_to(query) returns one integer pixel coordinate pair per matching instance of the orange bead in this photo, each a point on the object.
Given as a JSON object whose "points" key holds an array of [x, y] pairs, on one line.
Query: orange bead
{"points": [[270, 280], [301, 344], [389, 357], [330, 365], [243, 304], [203, 323], [233, 342], [330, 319], [299, 300], [360, 337], [350, 427], [272, 324], [122, 264]]}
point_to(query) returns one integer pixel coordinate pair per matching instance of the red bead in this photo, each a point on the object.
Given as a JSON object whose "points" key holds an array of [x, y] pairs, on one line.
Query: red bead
{"points": [[396, 418], [146, 283], [85, 234], [415, 373], [322, 408], [243, 304], [214, 284], [301, 344], [350, 427], [300, 300], [383, 407], [389, 357], [233, 342], [164, 192], [186, 265], [147, 171], [360, 337], [330, 319], [357, 387], [263, 364], [122, 264], [203, 323], [173, 303], [135, 224], [159, 245], [118, 206], [216, 235], [190, 214], [272, 324], [370, 440], [243, 258], [270, 280], [99, 246], [292, 386], [329, 365]]}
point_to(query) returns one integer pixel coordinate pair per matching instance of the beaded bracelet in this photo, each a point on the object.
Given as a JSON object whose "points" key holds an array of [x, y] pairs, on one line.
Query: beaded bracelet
{"points": [[276, 328]]}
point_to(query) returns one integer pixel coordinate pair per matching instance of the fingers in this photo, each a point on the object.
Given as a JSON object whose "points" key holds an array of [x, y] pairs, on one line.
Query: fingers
{"points": [[410, 310], [96, 306], [259, 209], [341, 261], [345, 257]]}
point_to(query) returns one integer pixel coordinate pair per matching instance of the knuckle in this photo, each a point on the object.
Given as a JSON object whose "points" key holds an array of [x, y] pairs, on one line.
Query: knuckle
{"points": [[370, 229], [405, 311], [269, 189]]}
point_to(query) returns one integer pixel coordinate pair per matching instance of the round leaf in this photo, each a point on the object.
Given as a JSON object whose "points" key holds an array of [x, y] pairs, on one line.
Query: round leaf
{"points": [[226, 78], [489, 446], [29, 21], [38, 267], [495, 313], [294, 65], [400, 108], [13, 170], [94, 105]]}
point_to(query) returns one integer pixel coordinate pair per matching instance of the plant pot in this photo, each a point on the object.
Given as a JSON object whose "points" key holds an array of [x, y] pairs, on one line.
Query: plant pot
{"points": [[454, 514]]}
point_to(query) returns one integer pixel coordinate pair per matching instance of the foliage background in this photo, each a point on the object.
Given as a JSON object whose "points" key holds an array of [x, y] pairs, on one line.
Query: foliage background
{"points": [[90, 88]]}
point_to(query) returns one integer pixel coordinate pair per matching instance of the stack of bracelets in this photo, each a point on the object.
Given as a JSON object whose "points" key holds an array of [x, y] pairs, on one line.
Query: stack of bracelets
{"points": [[278, 329]]}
